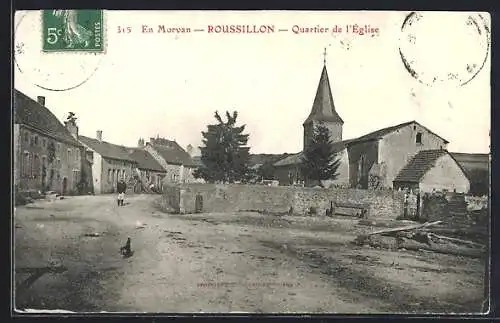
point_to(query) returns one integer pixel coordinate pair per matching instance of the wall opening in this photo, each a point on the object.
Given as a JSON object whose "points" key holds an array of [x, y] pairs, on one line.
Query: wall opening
{"points": [[198, 205], [418, 139]]}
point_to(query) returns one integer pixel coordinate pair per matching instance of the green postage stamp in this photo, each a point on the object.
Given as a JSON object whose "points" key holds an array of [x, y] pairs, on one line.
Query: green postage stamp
{"points": [[73, 30]]}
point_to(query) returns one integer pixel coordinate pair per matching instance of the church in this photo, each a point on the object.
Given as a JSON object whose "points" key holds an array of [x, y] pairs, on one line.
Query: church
{"points": [[407, 155]]}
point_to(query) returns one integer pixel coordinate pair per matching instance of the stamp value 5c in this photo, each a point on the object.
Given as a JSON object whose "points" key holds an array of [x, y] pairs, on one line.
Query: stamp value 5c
{"points": [[73, 30]]}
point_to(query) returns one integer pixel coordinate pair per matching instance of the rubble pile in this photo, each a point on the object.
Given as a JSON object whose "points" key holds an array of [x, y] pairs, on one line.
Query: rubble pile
{"points": [[421, 237]]}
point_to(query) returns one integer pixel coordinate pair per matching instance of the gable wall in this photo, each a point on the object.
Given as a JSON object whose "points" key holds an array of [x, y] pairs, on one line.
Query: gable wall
{"points": [[397, 148]]}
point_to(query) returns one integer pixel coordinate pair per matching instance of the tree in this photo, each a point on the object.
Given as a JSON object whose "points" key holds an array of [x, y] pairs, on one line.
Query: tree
{"points": [[224, 157], [319, 161], [71, 117]]}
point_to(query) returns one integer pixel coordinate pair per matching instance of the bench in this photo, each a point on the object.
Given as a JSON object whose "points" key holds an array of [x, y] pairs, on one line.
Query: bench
{"points": [[360, 209]]}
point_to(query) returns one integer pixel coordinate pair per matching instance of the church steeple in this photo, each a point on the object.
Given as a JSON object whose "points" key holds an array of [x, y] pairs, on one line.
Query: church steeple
{"points": [[323, 110]]}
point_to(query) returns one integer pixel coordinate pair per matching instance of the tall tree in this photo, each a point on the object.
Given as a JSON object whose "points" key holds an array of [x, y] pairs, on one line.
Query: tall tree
{"points": [[224, 156], [319, 161]]}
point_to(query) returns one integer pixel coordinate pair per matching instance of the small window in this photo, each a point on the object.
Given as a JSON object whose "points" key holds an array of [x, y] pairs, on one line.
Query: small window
{"points": [[44, 143], [418, 140], [36, 141], [26, 137]]}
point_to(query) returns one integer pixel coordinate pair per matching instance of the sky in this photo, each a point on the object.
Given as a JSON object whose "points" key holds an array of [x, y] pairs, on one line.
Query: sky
{"points": [[170, 84]]}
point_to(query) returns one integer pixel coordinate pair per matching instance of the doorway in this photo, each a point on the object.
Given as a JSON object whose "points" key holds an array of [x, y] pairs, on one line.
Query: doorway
{"points": [[64, 186]]}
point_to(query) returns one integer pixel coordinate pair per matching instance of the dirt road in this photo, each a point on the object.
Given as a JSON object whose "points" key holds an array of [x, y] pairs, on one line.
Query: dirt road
{"points": [[243, 262]]}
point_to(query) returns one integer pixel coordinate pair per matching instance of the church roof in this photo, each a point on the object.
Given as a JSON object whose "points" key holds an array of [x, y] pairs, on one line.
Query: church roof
{"points": [[420, 164], [384, 131], [296, 159], [323, 108]]}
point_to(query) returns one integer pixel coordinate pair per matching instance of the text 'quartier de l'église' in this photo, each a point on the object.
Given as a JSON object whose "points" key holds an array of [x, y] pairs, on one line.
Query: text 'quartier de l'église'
{"points": [[358, 29]]}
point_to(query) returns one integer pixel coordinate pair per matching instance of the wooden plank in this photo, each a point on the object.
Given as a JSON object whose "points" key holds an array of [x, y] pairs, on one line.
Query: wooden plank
{"points": [[405, 228], [350, 205], [467, 252], [455, 240]]}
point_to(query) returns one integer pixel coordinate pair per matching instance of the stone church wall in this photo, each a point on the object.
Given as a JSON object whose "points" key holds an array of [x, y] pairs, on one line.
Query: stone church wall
{"points": [[278, 199], [362, 157]]}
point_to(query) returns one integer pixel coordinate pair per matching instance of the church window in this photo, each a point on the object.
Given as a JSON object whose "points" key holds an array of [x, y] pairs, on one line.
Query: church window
{"points": [[418, 140]]}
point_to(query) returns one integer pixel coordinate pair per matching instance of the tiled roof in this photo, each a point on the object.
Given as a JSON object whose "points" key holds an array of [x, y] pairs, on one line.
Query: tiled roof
{"points": [[260, 159], [294, 159], [297, 158], [145, 160], [384, 131], [419, 165], [174, 154], [323, 108], [29, 112], [107, 149]]}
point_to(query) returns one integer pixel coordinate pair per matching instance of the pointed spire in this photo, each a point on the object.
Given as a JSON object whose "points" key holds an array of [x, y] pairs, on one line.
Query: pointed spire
{"points": [[323, 108]]}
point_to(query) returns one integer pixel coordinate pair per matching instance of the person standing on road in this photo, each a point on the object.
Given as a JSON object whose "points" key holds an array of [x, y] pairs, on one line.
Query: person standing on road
{"points": [[121, 187]]}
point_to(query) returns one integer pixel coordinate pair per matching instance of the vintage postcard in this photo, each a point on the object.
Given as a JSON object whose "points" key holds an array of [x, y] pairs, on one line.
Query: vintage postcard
{"points": [[251, 162]]}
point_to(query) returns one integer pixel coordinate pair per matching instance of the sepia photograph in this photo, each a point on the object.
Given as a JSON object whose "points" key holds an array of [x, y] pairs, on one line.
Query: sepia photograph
{"points": [[278, 162]]}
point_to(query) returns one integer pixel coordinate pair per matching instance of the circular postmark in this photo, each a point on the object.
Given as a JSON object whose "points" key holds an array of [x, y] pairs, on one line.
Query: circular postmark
{"points": [[53, 71], [444, 48]]}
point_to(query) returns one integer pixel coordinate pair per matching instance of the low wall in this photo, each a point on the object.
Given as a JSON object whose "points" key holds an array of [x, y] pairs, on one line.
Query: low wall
{"points": [[234, 198]]}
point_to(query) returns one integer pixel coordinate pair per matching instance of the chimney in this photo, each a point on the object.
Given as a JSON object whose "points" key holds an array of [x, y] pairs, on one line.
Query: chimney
{"points": [[140, 143], [41, 100], [98, 135], [189, 150], [72, 128]]}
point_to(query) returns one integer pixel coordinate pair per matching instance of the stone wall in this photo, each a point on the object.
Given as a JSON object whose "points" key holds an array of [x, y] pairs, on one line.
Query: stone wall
{"points": [[33, 171], [234, 198]]}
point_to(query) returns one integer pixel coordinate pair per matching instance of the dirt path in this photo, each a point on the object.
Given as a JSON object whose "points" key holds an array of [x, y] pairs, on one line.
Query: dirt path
{"points": [[241, 262]]}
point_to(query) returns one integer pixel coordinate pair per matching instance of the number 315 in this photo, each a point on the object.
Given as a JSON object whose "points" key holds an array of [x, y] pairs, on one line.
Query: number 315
{"points": [[53, 35]]}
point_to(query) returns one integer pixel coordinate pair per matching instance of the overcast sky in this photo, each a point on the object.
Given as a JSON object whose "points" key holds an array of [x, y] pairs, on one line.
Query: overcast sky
{"points": [[171, 84]]}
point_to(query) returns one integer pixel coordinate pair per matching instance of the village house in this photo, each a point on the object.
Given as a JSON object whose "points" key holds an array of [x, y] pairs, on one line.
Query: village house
{"points": [[109, 163], [149, 171], [174, 159], [376, 159], [433, 170], [47, 157]]}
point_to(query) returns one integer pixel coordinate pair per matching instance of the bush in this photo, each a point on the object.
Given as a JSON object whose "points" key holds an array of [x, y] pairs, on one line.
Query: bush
{"points": [[25, 197]]}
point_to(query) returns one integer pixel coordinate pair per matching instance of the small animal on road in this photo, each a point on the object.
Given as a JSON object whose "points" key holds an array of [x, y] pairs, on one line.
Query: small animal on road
{"points": [[126, 250]]}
